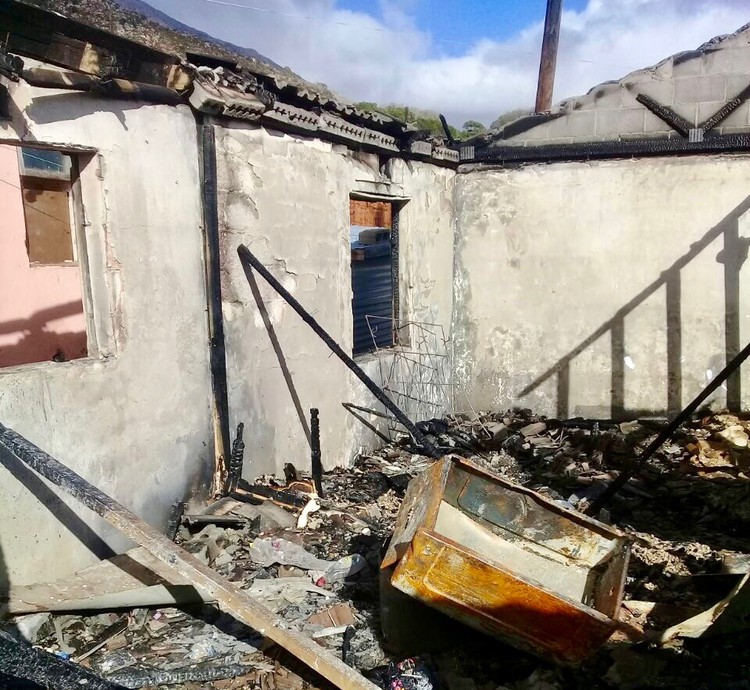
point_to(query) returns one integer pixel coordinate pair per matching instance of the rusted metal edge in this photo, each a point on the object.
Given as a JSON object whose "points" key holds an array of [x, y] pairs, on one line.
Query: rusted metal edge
{"points": [[229, 598], [600, 626], [580, 519], [497, 565], [415, 512]]}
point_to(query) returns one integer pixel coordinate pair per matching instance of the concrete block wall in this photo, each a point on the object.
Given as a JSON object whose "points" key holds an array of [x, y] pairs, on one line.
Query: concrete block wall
{"points": [[695, 85]]}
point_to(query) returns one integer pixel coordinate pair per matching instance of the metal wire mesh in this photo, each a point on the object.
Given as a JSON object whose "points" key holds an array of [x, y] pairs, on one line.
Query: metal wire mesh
{"points": [[415, 373]]}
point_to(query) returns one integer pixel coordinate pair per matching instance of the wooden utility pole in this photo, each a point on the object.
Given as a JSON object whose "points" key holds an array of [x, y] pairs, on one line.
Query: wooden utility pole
{"points": [[549, 56]]}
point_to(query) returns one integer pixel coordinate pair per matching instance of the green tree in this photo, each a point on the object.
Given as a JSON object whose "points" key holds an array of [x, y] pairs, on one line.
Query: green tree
{"points": [[509, 116], [473, 128], [422, 119]]}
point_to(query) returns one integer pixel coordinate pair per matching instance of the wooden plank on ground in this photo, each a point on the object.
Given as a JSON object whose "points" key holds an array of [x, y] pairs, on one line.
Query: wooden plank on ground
{"points": [[229, 598], [128, 580]]}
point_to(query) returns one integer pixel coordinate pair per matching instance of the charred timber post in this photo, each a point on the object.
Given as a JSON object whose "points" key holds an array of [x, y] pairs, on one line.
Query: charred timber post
{"points": [[236, 460], [317, 467], [249, 262], [217, 344], [548, 61], [666, 433]]}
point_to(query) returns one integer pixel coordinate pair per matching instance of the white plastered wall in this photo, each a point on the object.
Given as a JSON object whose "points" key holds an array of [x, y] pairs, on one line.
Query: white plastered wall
{"points": [[133, 419], [552, 259], [287, 199]]}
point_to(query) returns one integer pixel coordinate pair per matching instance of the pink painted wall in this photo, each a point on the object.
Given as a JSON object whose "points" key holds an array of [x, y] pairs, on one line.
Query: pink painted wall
{"points": [[41, 307]]}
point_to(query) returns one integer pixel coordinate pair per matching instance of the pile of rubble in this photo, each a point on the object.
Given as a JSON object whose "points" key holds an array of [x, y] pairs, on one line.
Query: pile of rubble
{"points": [[687, 513]]}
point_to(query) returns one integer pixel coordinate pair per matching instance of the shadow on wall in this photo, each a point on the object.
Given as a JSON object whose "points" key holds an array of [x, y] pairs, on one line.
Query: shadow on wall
{"points": [[59, 510], [73, 105], [732, 256], [40, 344]]}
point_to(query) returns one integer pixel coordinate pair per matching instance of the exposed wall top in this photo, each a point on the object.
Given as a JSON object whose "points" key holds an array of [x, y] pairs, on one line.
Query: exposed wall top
{"points": [[692, 96], [167, 69]]}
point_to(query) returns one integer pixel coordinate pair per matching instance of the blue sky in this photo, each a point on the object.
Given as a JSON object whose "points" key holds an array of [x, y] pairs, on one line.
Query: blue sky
{"points": [[467, 22], [467, 59]]}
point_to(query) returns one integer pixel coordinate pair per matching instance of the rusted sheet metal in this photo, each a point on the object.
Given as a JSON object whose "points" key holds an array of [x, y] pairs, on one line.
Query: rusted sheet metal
{"points": [[508, 562]]}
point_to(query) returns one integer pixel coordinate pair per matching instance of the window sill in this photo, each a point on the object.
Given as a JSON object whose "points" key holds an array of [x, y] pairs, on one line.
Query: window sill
{"points": [[380, 354], [44, 366]]}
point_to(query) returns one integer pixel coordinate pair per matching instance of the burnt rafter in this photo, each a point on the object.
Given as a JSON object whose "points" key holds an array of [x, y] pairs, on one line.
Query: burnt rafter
{"points": [[725, 110], [10, 65], [685, 128], [675, 121], [36, 33]]}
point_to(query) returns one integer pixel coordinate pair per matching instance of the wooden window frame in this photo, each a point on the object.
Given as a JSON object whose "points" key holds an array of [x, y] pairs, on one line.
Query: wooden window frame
{"points": [[50, 180], [101, 288]]}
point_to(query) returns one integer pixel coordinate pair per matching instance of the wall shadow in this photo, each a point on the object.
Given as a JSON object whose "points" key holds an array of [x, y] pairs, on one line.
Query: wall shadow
{"points": [[38, 343], [74, 105], [60, 510], [279, 352], [732, 257]]}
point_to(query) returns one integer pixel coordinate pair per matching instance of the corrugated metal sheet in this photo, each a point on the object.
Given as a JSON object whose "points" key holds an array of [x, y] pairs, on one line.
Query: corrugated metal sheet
{"points": [[372, 288]]}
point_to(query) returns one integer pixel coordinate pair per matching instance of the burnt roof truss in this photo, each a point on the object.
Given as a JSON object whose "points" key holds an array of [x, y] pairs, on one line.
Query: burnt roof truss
{"points": [[676, 122], [685, 128]]}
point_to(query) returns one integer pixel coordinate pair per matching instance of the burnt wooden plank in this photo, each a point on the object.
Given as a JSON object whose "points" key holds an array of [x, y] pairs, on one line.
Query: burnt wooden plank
{"points": [[46, 36], [229, 598]]}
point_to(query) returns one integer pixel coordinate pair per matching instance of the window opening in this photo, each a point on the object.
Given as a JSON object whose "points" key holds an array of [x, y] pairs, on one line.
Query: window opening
{"points": [[41, 311], [372, 256]]}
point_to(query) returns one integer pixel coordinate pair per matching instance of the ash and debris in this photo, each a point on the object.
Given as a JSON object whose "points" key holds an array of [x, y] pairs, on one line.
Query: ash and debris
{"points": [[687, 512]]}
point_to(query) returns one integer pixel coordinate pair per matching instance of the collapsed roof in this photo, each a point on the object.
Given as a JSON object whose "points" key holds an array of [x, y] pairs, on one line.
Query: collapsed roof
{"points": [[119, 53]]}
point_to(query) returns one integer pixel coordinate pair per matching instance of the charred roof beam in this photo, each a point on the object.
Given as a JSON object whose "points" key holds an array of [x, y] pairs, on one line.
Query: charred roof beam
{"points": [[676, 122], [685, 128], [726, 110]]}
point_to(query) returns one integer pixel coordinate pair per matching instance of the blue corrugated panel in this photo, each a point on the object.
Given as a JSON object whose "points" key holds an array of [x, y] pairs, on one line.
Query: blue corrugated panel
{"points": [[373, 296]]}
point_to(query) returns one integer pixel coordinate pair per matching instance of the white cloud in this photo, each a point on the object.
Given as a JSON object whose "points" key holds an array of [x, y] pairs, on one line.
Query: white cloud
{"points": [[392, 61]]}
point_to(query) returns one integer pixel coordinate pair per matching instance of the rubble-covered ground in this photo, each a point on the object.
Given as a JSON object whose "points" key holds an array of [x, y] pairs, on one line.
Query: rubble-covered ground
{"points": [[687, 511]]}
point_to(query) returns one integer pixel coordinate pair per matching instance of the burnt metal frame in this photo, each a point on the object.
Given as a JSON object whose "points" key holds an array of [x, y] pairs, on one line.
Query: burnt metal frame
{"points": [[350, 408], [676, 122], [689, 144], [666, 433], [601, 150], [249, 263]]}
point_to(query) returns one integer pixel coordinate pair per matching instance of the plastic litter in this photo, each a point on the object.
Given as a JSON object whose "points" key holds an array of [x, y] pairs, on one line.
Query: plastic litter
{"points": [[340, 570], [270, 551], [409, 674]]}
